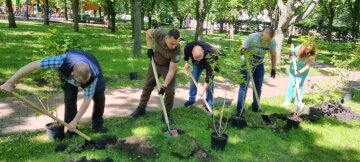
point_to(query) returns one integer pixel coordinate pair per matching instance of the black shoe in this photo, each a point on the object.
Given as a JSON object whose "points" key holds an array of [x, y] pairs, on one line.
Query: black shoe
{"points": [[170, 120], [188, 104], [138, 112], [99, 128]]}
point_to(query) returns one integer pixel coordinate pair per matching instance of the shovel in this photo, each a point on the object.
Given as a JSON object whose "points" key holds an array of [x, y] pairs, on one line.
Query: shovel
{"points": [[299, 106], [170, 132], [202, 97], [36, 108]]}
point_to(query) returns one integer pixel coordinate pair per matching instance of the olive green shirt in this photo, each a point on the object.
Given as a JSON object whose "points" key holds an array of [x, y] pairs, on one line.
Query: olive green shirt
{"points": [[164, 55]]}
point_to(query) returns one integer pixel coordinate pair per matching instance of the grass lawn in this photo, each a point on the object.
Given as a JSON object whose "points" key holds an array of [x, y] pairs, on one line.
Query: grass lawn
{"points": [[112, 50], [327, 140]]}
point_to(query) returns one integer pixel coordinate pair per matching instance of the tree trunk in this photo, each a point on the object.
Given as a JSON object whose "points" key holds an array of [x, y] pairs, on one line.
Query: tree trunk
{"points": [[231, 31], [137, 27], [142, 15], [100, 13], [149, 22], [201, 8], [331, 16], [94, 13], [211, 28], [181, 21], [221, 30], [284, 16], [46, 13], [65, 11], [11, 17], [113, 16], [279, 39], [76, 15]]}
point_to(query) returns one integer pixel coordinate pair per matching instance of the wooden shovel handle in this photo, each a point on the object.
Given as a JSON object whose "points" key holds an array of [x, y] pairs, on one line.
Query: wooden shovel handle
{"points": [[202, 97], [41, 110]]}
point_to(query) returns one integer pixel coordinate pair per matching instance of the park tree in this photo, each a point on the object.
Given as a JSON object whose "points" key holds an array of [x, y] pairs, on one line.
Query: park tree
{"points": [[111, 14], [202, 8], [328, 11], [180, 9], [11, 17], [354, 10], [65, 11], [76, 15], [286, 14], [46, 13], [136, 23], [228, 11], [150, 9]]}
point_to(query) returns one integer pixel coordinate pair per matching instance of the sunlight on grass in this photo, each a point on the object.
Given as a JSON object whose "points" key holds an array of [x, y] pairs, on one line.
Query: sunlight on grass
{"points": [[42, 138], [235, 139], [141, 131]]}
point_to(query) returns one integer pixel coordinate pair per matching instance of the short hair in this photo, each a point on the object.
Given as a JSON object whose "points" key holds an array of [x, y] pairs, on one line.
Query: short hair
{"points": [[174, 33], [271, 31], [82, 70]]}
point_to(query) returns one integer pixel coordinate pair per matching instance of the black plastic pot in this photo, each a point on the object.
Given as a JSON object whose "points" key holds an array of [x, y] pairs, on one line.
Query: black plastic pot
{"points": [[133, 75], [238, 121], [291, 123], [54, 131], [315, 114], [347, 96], [218, 142], [266, 119]]}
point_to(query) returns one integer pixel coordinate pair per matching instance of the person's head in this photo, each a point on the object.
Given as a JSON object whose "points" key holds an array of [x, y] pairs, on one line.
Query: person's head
{"points": [[81, 72], [309, 50], [172, 38], [198, 53], [268, 34]]}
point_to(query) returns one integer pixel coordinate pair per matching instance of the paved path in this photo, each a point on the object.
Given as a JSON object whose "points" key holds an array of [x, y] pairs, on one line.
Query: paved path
{"points": [[15, 117]]}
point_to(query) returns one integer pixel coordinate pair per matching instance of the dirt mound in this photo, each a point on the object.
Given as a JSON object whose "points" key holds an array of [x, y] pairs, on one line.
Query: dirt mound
{"points": [[338, 111], [107, 141], [84, 159], [137, 147]]}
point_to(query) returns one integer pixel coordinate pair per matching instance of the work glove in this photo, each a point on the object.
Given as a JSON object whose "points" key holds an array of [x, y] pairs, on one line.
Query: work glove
{"points": [[150, 53], [273, 73], [162, 90]]}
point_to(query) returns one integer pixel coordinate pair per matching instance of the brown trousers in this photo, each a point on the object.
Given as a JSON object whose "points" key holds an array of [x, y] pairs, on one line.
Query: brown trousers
{"points": [[150, 84]]}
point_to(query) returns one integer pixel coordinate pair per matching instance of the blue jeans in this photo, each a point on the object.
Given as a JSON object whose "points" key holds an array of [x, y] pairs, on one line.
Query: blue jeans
{"points": [[196, 72], [258, 76]]}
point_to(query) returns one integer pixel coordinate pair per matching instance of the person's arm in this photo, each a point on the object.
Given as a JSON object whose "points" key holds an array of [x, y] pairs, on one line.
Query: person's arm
{"points": [[149, 38], [8, 86], [186, 58], [307, 66], [85, 104], [273, 59], [88, 94], [170, 75]]}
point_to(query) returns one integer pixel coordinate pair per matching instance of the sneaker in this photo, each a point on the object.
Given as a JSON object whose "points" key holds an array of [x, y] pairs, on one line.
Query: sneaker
{"points": [[138, 112], [188, 103], [99, 129]]}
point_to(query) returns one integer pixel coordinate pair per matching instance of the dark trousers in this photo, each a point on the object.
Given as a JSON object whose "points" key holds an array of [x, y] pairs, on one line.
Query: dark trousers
{"points": [[258, 76], [70, 99], [150, 84]]}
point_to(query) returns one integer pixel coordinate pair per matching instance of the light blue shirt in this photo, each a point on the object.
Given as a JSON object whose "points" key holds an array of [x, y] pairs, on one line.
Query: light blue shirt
{"points": [[253, 42]]}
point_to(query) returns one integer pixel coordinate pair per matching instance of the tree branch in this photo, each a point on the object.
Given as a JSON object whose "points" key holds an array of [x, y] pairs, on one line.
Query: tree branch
{"points": [[280, 3], [305, 14]]}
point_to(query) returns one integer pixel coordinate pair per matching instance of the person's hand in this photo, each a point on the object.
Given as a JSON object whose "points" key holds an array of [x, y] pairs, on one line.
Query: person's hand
{"points": [[7, 87], [72, 125], [201, 92], [187, 68], [150, 53], [273, 73], [162, 90], [297, 73]]}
